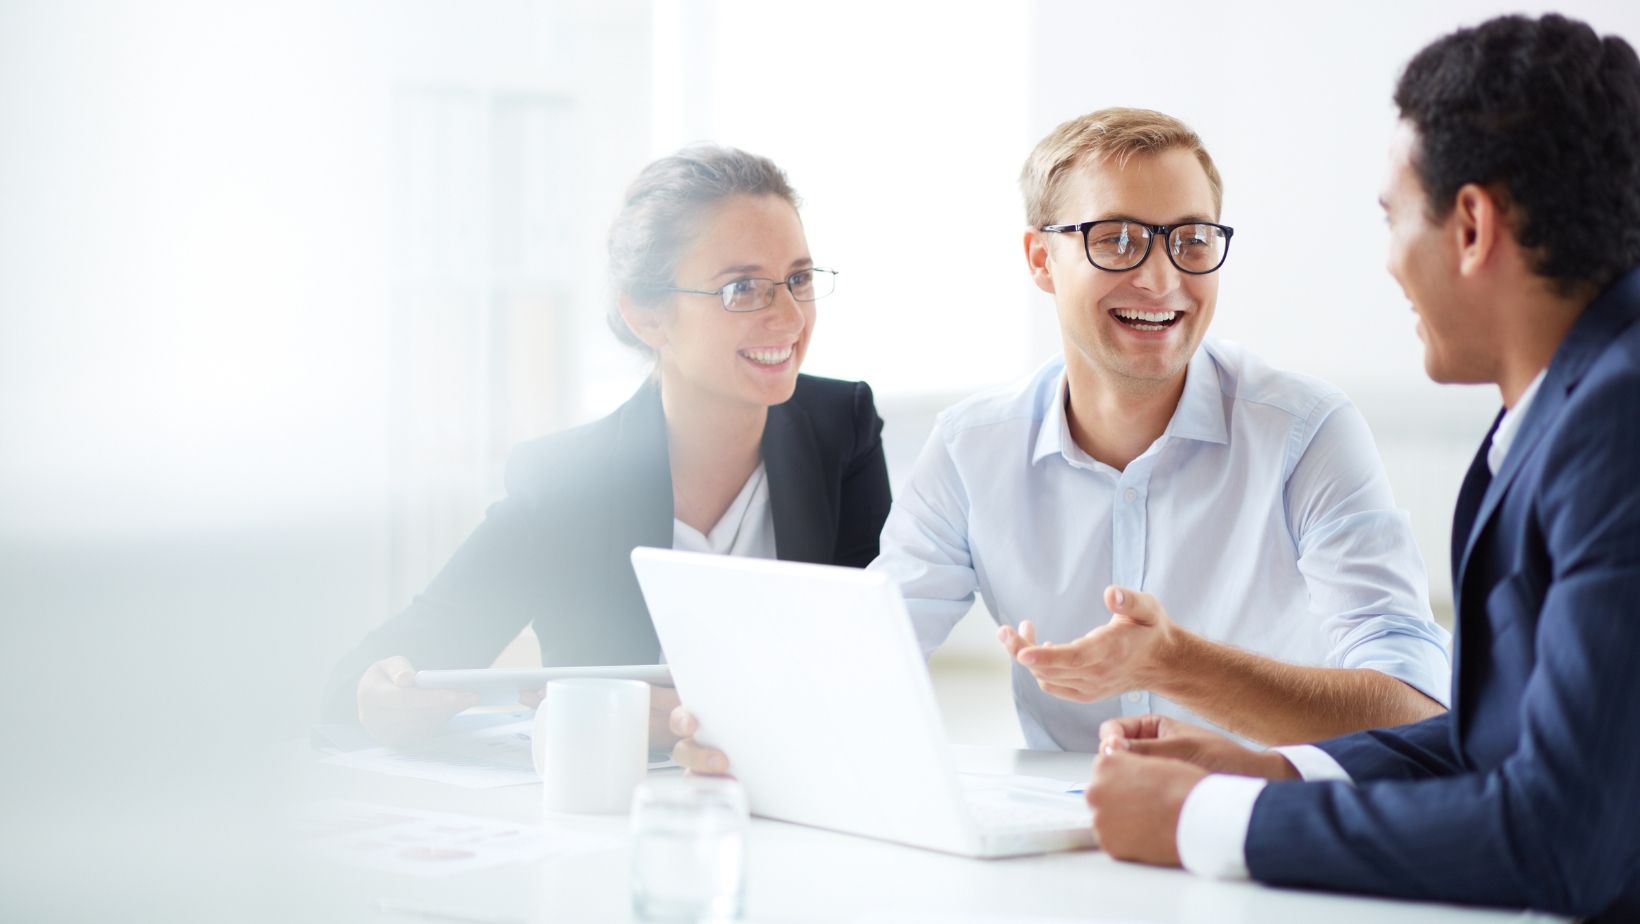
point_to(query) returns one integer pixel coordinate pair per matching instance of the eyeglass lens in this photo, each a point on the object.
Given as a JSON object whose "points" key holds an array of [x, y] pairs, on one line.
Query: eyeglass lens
{"points": [[754, 294], [1120, 245]]}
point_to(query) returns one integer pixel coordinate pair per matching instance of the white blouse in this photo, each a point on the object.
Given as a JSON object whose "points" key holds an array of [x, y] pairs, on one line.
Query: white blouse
{"points": [[745, 530]]}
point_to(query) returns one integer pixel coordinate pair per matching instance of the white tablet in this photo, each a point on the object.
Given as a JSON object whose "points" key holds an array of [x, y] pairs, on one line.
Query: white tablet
{"points": [[499, 686]]}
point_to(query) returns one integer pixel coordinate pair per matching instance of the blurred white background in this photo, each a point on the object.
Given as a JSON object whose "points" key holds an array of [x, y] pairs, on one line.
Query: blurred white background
{"points": [[280, 284]]}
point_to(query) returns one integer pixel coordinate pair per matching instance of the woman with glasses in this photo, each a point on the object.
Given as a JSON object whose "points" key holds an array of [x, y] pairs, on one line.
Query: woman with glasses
{"points": [[725, 449]]}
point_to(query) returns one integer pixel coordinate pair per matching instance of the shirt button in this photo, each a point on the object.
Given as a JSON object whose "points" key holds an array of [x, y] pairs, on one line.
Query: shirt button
{"points": [[1133, 697], [1131, 495]]}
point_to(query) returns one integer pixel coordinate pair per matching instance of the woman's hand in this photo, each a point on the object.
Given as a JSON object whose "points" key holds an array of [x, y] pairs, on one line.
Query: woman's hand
{"points": [[691, 754], [395, 711]]}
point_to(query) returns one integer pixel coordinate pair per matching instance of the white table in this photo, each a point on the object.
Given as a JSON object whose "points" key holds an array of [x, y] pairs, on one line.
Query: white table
{"points": [[799, 874]]}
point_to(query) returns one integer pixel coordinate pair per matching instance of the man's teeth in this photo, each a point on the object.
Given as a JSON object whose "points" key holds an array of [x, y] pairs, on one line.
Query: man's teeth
{"points": [[768, 357], [1153, 317]]}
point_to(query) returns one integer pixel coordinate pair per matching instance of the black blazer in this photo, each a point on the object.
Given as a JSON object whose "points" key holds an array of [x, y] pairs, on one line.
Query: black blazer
{"points": [[556, 550]]}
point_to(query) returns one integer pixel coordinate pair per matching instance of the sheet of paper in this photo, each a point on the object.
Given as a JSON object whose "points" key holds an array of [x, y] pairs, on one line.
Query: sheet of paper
{"points": [[484, 758], [414, 842]]}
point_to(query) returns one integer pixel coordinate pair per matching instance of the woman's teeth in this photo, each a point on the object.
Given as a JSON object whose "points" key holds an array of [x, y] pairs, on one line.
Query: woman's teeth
{"points": [[768, 357]]}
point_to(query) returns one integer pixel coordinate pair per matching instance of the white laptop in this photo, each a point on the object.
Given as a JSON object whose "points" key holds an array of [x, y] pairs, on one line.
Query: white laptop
{"points": [[810, 678]]}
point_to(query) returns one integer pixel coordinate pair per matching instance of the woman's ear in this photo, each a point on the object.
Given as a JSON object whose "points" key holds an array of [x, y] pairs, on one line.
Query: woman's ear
{"points": [[645, 323]]}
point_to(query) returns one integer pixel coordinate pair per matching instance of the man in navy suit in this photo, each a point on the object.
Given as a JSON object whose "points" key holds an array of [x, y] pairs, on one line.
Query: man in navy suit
{"points": [[1514, 214]]}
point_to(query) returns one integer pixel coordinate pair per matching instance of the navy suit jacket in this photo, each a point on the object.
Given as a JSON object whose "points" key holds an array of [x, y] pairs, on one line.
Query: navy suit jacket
{"points": [[556, 550], [1527, 793]]}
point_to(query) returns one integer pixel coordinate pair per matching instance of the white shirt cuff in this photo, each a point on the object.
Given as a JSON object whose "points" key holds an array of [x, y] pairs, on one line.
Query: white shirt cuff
{"points": [[1314, 764], [1212, 835]]}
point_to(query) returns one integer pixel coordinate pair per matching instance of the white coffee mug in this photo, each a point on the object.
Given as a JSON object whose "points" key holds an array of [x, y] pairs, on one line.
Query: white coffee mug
{"points": [[591, 744]]}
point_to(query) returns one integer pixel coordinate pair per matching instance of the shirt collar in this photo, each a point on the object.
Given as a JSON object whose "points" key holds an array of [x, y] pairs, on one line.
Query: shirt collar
{"points": [[1054, 436], [1504, 435], [1199, 416]]}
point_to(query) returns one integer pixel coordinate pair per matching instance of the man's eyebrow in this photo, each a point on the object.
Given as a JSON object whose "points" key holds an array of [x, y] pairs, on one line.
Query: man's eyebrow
{"points": [[1383, 203], [1192, 219], [1184, 220]]}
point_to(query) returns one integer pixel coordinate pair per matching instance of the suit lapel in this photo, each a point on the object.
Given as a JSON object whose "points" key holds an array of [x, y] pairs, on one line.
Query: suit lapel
{"points": [[1475, 484], [1598, 326], [1544, 409], [798, 495]]}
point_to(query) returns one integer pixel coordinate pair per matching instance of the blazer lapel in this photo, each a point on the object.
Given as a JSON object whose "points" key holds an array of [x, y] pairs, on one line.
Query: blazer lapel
{"points": [[644, 504], [1545, 408], [1475, 484], [640, 511], [1595, 329], [798, 496], [1470, 495]]}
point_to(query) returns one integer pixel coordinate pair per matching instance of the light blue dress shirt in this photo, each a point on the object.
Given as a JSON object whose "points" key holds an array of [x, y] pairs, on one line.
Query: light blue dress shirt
{"points": [[1213, 822], [1261, 518]]}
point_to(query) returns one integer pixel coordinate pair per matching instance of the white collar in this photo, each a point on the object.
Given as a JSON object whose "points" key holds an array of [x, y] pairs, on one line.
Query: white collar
{"points": [[1200, 414], [1509, 426]]}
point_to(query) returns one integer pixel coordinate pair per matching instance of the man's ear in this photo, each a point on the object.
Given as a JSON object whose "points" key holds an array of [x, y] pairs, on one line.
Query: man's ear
{"points": [[1036, 259], [645, 323], [1478, 227]]}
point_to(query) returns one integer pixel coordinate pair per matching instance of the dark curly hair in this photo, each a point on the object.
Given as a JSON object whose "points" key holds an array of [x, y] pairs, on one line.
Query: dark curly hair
{"points": [[1547, 112]]}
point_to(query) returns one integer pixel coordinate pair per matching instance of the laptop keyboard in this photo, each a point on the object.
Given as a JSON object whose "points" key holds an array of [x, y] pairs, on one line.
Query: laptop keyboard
{"points": [[998, 806], [993, 815]]}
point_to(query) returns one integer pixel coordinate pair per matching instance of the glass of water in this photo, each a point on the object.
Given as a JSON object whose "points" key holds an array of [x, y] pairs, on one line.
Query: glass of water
{"points": [[688, 850]]}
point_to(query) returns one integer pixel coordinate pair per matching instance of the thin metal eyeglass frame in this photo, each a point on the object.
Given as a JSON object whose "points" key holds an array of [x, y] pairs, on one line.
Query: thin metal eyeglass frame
{"points": [[1161, 231], [724, 295]]}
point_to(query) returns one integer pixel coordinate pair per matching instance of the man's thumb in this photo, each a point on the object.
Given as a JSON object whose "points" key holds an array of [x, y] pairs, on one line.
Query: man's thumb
{"points": [[1134, 605]]}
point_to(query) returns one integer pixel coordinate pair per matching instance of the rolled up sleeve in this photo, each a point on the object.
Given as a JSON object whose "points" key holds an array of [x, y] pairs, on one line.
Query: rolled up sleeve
{"points": [[1360, 562]]}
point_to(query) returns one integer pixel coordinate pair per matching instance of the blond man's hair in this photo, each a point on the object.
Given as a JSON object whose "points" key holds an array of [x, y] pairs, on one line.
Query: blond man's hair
{"points": [[1107, 135]]}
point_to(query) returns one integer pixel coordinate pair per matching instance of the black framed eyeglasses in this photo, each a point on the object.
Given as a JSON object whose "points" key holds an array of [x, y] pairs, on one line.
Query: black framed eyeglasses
{"points": [[754, 293], [1117, 245]]}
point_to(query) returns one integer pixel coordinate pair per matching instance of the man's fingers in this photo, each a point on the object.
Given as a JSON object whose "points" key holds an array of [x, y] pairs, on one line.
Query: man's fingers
{"points": [[1047, 657], [1133, 726], [1063, 692], [1105, 768], [1176, 748], [1027, 630], [1010, 640]]}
